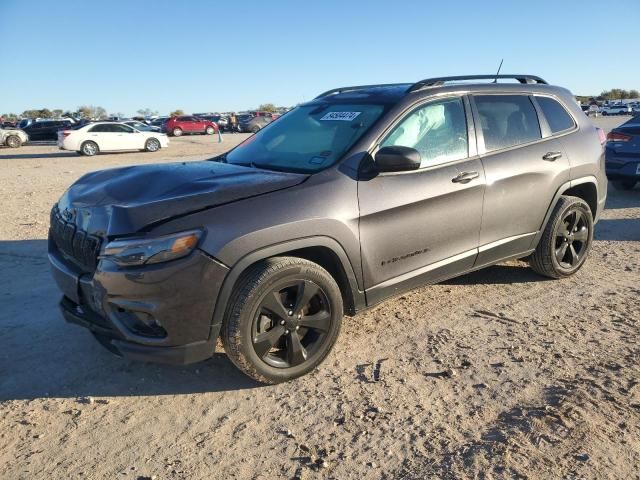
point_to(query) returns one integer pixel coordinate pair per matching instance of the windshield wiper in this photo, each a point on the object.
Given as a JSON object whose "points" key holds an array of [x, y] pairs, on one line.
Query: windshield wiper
{"points": [[276, 168]]}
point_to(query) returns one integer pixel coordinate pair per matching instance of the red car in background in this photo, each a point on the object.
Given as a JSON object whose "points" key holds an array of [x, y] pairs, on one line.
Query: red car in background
{"points": [[187, 124]]}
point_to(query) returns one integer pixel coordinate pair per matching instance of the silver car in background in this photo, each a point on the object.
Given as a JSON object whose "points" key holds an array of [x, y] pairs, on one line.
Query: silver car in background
{"points": [[13, 137]]}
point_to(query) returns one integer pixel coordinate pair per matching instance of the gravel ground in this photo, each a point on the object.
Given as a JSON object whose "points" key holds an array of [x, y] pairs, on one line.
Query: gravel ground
{"points": [[497, 374]]}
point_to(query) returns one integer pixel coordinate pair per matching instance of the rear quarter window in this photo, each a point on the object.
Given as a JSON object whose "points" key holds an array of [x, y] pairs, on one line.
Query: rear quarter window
{"points": [[557, 116]]}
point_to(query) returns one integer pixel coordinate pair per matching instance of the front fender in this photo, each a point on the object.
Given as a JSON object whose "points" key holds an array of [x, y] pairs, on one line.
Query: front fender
{"points": [[279, 249]]}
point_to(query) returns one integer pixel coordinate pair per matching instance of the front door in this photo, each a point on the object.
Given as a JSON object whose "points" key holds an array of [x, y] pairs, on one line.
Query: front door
{"points": [[128, 138], [523, 171], [423, 226]]}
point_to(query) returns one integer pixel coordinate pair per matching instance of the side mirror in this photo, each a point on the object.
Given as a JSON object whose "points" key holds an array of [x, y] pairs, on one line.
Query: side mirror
{"points": [[397, 159]]}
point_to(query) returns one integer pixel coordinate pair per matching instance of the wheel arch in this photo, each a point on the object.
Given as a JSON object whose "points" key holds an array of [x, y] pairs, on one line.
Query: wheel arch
{"points": [[90, 141], [585, 188], [324, 251]]}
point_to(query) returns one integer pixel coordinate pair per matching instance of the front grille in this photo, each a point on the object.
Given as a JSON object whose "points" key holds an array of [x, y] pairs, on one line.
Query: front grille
{"points": [[76, 244]]}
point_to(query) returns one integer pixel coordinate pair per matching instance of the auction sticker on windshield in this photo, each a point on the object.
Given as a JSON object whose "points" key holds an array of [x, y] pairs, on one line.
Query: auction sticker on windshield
{"points": [[344, 116]]}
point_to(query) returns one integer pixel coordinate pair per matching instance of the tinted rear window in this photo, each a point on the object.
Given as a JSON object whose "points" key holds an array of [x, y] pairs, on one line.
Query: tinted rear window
{"points": [[556, 115], [507, 120]]}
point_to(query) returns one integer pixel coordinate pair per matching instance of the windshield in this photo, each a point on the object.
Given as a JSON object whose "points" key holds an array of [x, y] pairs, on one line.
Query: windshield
{"points": [[308, 138]]}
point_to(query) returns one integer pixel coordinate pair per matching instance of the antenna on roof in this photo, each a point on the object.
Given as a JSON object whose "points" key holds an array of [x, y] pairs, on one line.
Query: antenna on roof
{"points": [[498, 72]]}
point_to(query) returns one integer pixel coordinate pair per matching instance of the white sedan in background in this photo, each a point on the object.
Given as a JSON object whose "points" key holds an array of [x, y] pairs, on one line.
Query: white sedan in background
{"points": [[109, 137]]}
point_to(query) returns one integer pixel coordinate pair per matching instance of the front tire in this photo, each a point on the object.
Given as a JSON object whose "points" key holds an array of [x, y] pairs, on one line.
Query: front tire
{"points": [[255, 129], [210, 130], [626, 184], [89, 149], [152, 145], [566, 240], [283, 319], [13, 141]]}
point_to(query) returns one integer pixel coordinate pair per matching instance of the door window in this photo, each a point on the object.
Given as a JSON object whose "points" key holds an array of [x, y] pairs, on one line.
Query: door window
{"points": [[507, 120], [437, 130], [121, 128], [105, 127]]}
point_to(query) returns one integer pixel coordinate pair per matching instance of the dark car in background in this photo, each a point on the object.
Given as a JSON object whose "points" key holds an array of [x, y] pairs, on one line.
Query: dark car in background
{"points": [[160, 122], [623, 154], [143, 127], [253, 122], [47, 129]]}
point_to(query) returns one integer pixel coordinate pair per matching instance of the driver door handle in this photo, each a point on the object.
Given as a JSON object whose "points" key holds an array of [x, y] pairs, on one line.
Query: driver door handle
{"points": [[552, 156], [465, 177]]}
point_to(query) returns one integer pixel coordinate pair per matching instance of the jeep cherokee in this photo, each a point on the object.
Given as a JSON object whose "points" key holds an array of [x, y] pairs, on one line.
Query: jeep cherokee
{"points": [[357, 195]]}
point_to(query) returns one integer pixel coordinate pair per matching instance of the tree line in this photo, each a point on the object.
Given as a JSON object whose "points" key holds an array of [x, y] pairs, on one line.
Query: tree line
{"points": [[88, 112], [618, 94], [92, 112]]}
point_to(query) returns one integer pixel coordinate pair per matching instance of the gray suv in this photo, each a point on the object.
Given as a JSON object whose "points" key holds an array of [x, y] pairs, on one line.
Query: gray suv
{"points": [[355, 196]]}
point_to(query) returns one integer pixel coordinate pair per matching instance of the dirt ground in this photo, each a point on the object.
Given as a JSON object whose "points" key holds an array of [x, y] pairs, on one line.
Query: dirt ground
{"points": [[497, 374]]}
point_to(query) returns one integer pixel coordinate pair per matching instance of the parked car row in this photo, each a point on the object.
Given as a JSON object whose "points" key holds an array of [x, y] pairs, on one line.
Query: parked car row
{"points": [[612, 109]]}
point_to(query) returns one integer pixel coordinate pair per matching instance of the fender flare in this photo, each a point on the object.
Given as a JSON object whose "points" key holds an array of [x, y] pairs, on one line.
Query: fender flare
{"points": [[561, 190], [273, 250]]}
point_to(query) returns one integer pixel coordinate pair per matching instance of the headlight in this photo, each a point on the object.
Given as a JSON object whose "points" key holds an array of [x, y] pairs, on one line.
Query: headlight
{"points": [[143, 251]]}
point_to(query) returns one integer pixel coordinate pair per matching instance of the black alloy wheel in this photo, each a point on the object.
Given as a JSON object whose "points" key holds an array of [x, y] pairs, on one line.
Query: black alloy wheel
{"points": [[571, 240], [566, 239], [291, 323], [283, 319]]}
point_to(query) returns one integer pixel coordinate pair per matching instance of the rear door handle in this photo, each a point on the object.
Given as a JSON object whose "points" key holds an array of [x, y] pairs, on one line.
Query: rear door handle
{"points": [[551, 156], [465, 177]]}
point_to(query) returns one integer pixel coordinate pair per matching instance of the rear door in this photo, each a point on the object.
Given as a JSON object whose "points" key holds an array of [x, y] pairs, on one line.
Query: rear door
{"points": [[104, 136], [524, 166], [423, 225]]}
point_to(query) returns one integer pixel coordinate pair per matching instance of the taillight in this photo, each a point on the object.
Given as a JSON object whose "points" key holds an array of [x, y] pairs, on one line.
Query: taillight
{"points": [[601, 136], [66, 133], [618, 137]]}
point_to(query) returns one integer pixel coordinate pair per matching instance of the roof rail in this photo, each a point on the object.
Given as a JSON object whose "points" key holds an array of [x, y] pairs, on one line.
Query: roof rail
{"points": [[336, 91], [437, 81]]}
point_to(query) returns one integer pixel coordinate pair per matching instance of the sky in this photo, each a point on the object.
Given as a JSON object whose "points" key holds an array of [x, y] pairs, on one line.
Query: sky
{"points": [[203, 56]]}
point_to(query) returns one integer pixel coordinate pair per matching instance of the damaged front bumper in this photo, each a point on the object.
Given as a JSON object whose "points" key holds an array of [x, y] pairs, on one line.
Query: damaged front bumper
{"points": [[161, 312]]}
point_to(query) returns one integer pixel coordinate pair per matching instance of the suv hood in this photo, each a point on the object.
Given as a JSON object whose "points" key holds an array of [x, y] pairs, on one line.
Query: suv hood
{"points": [[126, 200]]}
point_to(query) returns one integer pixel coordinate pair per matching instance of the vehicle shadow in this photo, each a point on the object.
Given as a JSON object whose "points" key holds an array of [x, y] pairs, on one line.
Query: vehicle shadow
{"points": [[42, 356], [512, 272], [622, 198], [618, 229], [17, 156]]}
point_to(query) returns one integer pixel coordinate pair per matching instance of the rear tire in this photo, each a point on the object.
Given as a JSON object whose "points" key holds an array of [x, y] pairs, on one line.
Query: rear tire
{"points": [[284, 317], [176, 132], [13, 141], [255, 129], [566, 239], [626, 184], [89, 148]]}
